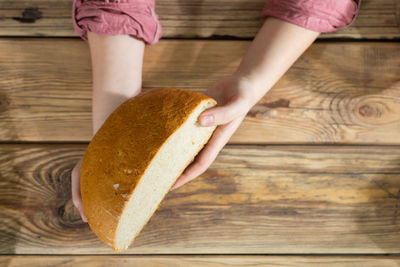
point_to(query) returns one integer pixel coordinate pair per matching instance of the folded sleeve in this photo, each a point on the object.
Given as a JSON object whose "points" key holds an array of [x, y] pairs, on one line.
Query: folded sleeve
{"points": [[125, 17], [316, 15]]}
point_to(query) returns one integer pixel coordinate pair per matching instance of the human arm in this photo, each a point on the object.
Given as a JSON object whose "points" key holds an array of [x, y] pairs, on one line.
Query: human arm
{"points": [[290, 28], [116, 33], [116, 76], [276, 47]]}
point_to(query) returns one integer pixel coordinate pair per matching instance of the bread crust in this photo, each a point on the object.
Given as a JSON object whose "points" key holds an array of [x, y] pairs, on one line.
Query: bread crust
{"points": [[122, 149]]}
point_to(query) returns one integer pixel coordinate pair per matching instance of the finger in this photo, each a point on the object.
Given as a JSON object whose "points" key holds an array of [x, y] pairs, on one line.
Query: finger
{"points": [[220, 115], [217, 141], [79, 206], [196, 168], [75, 189], [200, 164], [75, 184], [208, 154]]}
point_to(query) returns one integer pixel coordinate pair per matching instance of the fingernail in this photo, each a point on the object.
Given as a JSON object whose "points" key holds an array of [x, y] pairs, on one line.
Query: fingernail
{"points": [[207, 120]]}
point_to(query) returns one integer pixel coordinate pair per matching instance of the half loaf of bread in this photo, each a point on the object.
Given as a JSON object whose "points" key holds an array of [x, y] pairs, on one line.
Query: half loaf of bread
{"points": [[136, 156]]}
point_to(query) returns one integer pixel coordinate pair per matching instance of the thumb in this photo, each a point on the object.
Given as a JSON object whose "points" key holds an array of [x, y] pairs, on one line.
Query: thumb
{"points": [[223, 114], [75, 188]]}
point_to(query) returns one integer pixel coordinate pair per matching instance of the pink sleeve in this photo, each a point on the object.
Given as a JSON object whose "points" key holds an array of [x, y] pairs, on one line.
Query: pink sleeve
{"points": [[133, 17], [315, 15]]}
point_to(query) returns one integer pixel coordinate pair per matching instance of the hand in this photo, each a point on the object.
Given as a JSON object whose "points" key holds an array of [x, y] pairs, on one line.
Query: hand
{"points": [[76, 189], [234, 97]]}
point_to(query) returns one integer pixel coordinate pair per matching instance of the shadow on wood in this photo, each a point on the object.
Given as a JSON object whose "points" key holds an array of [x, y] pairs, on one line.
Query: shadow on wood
{"points": [[359, 89]]}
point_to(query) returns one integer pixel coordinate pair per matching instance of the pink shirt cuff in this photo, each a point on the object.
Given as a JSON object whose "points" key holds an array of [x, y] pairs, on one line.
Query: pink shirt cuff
{"points": [[315, 15], [124, 17]]}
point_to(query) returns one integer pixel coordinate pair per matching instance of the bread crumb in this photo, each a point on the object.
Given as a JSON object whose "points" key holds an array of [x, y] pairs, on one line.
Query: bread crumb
{"points": [[125, 195], [128, 171], [193, 143], [109, 213], [116, 186]]}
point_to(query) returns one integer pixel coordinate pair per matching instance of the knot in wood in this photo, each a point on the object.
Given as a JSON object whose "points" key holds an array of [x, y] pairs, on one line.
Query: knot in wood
{"points": [[366, 111], [30, 15]]}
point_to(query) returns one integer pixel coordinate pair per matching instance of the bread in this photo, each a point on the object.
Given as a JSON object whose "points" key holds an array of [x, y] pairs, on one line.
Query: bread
{"points": [[136, 156]]}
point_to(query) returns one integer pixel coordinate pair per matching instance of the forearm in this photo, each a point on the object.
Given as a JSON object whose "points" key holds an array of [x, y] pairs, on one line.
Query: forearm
{"points": [[116, 73], [276, 47]]}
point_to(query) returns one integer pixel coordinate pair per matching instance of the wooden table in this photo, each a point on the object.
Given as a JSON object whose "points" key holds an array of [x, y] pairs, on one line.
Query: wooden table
{"points": [[311, 177]]}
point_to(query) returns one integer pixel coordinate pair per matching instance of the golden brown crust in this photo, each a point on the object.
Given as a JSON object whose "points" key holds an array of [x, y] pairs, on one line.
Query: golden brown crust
{"points": [[123, 147]]}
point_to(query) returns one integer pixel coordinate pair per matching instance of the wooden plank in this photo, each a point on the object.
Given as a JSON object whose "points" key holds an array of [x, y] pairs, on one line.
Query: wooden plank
{"points": [[191, 18], [253, 199], [335, 93], [198, 261]]}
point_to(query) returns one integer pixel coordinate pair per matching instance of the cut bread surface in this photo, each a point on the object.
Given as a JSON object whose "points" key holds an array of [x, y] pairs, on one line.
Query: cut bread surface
{"points": [[166, 166]]}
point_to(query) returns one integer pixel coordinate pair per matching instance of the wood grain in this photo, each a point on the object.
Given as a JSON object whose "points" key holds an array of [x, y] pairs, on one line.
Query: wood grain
{"points": [[198, 261], [253, 199], [191, 18], [335, 93]]}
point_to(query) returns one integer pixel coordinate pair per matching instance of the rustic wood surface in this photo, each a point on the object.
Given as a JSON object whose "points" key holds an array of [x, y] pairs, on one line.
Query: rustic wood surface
{"points": [[377, 19], [197, 261], [263, 196], [335, 93], [253, 199]]}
